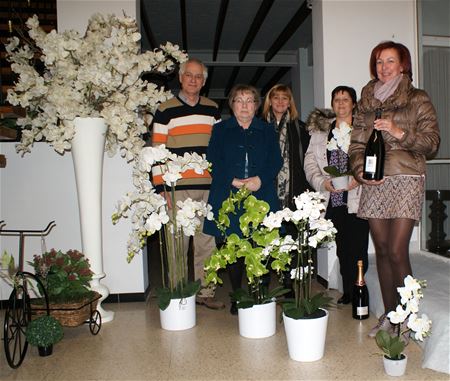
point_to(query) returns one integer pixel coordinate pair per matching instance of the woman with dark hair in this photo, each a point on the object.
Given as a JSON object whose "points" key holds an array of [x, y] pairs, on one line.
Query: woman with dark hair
{"points": [[411, 136], [243, 151], [330, 139]]}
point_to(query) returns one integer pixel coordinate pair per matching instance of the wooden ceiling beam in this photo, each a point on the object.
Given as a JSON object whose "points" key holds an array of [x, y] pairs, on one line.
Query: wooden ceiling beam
{"points": [[297, 20], [231, 80], [183, 24], [258, 73], [205, 90], [254, 28], [147, 28], [274, 80], [219, 26]]}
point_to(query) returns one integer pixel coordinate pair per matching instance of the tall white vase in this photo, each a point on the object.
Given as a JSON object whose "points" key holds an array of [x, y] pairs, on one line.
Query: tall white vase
{"points": [[88, 147]]}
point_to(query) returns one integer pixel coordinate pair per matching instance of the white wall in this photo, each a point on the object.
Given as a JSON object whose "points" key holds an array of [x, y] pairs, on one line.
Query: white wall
{"points": [[74, 14], [40, 187], [352, 28]]}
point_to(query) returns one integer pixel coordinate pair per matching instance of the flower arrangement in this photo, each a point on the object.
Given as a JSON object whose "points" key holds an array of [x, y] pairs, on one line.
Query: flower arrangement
{"points": [[65, 276], [255, 246], [150, 213], [95, 75], [44, 331], [312, 231], [405, 319], [341, 138], [261, 244]]}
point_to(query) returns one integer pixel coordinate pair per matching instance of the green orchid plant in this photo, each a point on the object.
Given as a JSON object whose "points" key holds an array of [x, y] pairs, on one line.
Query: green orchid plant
{"points": [[262, 245], [405, 320], [252, 245]]}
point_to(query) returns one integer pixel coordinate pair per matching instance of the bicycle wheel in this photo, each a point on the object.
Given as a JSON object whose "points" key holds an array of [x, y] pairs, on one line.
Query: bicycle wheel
{"points": [[17, 316], [95, 322]]}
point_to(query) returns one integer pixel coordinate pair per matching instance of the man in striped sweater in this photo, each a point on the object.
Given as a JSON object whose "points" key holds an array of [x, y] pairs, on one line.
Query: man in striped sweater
{"points": [[184, 124]]}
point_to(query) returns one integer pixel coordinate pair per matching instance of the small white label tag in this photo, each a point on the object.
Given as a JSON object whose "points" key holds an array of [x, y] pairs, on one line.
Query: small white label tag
{"points": [[361, 311], [371, 164]]}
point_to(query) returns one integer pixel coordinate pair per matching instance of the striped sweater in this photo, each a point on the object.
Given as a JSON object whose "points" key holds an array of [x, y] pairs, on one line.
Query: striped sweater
{"points": [[184, 128]]}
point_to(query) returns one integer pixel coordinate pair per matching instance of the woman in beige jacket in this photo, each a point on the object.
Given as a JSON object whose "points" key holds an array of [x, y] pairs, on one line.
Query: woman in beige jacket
{"points": [[330, 138], [411, 135]]}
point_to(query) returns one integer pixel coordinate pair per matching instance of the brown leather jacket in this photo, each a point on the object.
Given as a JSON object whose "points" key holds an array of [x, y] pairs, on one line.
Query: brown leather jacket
{"points": [[412, 111]]}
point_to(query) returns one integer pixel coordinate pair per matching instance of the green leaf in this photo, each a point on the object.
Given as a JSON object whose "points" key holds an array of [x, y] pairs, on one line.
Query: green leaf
{"points": [[391, 346], [334, 172], [277, 292], [163, 295]]}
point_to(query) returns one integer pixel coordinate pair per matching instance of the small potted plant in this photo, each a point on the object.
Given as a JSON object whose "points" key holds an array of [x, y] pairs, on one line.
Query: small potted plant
{"points": [[339, 140], [405, 320], [43, 332]]}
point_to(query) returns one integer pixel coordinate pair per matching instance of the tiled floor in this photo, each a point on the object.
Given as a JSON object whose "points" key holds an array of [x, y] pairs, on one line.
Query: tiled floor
{"points": [[134, 347]]}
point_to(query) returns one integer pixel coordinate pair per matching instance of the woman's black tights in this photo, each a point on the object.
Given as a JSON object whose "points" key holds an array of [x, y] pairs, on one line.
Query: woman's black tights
{"points": [[391, 240]]}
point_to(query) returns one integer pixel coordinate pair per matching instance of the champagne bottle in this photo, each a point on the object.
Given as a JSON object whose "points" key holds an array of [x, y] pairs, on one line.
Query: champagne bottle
{"points": [[360, 302], [374, 154]]}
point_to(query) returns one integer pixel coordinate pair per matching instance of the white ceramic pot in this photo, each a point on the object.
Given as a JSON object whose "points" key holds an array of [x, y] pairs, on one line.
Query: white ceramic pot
{"points": [[395, 368], [258, 321], [179, 315], [306, 337], [340, 182]]}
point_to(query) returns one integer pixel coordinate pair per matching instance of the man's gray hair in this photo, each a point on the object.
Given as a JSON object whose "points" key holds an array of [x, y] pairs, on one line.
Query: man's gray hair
{"points": [[197, 61]]}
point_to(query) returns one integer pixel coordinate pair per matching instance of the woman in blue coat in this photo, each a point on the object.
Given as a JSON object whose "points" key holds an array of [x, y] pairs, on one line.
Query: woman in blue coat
{"points": [[243, 151]]}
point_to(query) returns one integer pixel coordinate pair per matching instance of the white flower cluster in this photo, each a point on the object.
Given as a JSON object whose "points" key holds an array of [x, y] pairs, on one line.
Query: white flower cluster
{"points": [[149, 211], [408, 308], [341, 138], [95, 75], [308, 216], [299, 272]]}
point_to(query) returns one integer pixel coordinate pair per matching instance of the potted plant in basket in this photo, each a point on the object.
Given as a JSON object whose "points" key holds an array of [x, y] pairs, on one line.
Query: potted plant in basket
{"points": [[405, 320], [65, 277], [43, 332], [150, 213], [256, 245]]}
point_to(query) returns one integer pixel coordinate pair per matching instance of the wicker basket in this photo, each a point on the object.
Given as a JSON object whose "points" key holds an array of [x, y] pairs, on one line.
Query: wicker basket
{"points": [[69, 314]]}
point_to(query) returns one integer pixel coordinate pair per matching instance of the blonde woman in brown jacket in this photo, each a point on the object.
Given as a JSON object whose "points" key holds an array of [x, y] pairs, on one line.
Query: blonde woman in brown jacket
{"points": [[411, 136]]}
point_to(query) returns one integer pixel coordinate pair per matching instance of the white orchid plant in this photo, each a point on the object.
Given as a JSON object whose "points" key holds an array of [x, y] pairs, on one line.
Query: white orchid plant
{"points": [[313, 230], [341, 137], [405, 319], [95, 75], [149, 213], [261, 245]]}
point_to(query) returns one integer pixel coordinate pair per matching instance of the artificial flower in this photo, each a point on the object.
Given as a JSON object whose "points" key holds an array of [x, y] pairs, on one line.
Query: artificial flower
{"points": [[99, 74]]}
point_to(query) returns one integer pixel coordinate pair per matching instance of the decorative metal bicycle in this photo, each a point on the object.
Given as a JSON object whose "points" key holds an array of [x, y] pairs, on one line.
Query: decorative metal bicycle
{"points": [[21, 308]]}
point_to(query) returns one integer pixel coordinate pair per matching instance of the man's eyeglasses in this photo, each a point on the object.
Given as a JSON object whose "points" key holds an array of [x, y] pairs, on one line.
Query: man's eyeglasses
{"points": [[197, 77]]}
